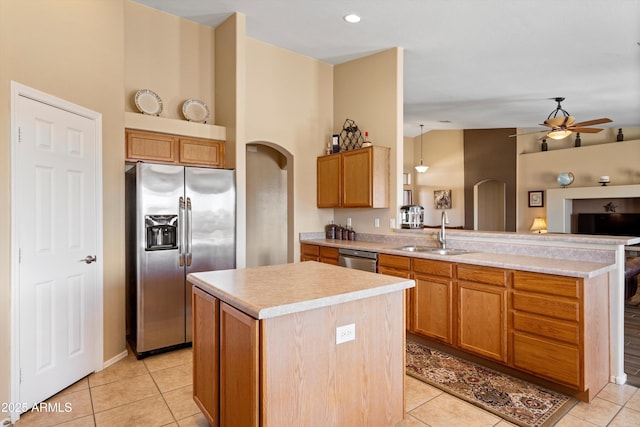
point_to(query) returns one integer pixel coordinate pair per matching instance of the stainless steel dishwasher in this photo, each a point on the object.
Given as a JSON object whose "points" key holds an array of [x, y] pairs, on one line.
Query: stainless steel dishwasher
{"points": [[360, 260]]}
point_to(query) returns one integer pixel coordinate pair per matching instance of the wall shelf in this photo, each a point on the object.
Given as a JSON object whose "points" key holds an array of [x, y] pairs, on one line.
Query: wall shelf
{"points": [[146, 122]]}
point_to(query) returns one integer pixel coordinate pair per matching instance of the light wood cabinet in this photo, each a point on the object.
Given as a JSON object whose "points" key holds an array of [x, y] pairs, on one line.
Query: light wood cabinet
{"points": [[326, 254], [399, 266], [354, 179], [239, 368], [329, 255], [206, 345], [329, 181], [482, 311], [559, 329], [433, 299], [173, 149], [309, 252], [282, 370], [225, 362]]}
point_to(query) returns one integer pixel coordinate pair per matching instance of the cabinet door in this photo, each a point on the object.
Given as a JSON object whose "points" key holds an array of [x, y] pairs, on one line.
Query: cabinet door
{"points": [[205, 354], [329, 255], [432, 307], [151, 146], [201, 152], [408, 293], [482, 320], [329, 187], [357, 179], [309, 252], [239, 368]]}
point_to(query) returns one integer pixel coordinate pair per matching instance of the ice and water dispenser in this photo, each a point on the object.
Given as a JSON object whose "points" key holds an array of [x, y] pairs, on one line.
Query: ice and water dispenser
{"points": [[162, 231]]}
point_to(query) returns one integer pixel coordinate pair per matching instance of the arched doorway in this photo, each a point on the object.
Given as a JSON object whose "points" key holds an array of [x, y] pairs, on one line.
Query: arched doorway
{"points": [[489, 205], [269, 205]]}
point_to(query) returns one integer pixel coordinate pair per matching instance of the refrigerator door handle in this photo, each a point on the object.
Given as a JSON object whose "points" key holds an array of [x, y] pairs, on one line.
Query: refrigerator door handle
{"points": [[181, 230], [189, 233]]}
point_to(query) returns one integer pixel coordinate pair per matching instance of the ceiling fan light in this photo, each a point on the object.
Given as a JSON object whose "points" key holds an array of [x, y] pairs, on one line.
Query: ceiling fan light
{"points": [[559, 133]]}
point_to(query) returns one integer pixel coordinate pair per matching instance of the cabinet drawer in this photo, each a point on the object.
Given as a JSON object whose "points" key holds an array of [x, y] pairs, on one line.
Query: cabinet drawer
{"points": [[486, 275], [310, 250], [394, 261], [555, 361], [547, 306], [394, 272], [547, 284], [551, 328], [435, 268]]}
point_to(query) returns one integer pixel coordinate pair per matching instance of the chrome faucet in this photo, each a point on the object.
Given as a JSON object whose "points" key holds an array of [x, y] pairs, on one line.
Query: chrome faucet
{"points": [[442, 237]]}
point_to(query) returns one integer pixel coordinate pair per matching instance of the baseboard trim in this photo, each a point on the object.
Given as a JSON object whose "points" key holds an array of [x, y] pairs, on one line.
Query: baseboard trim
{"points": [[619, 379], [115, 359]]}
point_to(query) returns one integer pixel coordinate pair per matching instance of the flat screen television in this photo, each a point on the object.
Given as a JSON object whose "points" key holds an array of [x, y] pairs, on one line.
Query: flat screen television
{"points": [[612, 224]]}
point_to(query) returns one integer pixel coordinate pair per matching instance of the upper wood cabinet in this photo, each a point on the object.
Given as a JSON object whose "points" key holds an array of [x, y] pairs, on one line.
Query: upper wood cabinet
{"points": [[166, 148], [354, 179]]}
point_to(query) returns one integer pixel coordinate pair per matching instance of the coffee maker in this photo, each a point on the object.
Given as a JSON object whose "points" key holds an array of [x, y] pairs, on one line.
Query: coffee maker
{"points": [[411, 216]]}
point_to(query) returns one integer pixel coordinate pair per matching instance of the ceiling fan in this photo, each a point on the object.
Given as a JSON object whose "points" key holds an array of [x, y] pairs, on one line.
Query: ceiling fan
{"points": [[562, 124]]}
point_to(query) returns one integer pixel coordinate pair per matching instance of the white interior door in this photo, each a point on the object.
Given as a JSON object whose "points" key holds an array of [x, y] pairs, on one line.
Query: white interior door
{"points": [[57, 218]]}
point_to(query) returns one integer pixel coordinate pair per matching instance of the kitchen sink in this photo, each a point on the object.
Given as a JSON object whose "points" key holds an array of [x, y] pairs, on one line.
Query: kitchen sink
{"points": [[431, 250], [440, 251], [413, 248]]}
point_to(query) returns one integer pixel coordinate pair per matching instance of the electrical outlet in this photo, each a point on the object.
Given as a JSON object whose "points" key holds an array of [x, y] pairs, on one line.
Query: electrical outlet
{"points": [[345, 333], [376, 223], [392, 223]]}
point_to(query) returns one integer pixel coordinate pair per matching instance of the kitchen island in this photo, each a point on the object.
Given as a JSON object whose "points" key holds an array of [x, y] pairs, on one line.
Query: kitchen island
{"points": [[299, 344]]}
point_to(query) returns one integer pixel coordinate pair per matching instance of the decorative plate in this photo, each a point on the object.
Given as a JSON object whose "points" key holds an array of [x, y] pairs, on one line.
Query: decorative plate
{"points": [[148, 102], [565, 179], [195, 110]]}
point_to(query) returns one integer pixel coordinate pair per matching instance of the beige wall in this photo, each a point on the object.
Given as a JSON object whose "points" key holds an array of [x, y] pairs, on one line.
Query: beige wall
{"points": [[289, 104], [368, 91], [171, 56], [72, 50], [443, 152]]}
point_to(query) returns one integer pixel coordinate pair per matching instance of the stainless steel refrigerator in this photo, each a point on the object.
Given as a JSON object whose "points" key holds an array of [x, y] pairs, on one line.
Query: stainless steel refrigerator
{"points": [[179, 220]]}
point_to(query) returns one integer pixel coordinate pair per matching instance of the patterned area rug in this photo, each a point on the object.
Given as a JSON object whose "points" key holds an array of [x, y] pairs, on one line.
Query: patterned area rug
{"points": [[514, 400]]}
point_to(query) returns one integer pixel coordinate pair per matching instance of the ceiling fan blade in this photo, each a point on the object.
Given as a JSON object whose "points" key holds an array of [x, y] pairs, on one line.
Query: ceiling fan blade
{"points": [[585, 130], [593, 122], [527, 133]]}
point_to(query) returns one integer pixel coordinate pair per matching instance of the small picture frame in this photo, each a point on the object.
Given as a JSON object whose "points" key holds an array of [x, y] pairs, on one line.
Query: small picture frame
{"points": [[536, 199], [442, 199]]}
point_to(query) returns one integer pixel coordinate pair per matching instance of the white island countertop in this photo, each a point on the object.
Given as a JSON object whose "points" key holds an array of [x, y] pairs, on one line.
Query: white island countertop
{"points": [[276, 290]]}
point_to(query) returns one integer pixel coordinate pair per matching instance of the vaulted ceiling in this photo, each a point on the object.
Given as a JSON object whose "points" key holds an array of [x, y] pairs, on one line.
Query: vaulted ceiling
{"points": [[468, 64]]}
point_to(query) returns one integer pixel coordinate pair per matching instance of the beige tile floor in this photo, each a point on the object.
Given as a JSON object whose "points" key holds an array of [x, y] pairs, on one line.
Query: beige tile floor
{"points": [[156, 391]]}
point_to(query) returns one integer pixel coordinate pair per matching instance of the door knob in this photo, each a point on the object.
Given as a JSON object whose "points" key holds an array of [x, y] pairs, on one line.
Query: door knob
{"points": [[89, 259]]}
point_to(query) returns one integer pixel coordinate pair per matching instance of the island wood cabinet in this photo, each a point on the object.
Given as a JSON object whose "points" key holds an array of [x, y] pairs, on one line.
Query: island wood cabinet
{"points": [[354, 179], [173, 149], [399, 266], [225, 362], [560, 328], [289, 370], [433, 299], [482, 310]]}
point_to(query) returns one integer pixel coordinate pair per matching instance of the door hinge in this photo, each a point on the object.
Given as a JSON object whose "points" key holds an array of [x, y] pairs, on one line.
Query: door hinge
{"points": [[19, 134]]}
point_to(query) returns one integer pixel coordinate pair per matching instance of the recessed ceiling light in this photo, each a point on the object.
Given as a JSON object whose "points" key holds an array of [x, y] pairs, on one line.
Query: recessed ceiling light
{"points": [[352, 18]]}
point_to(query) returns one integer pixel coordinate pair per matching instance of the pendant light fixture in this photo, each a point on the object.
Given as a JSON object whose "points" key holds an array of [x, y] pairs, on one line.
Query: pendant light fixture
{"points": [[421, 168]]}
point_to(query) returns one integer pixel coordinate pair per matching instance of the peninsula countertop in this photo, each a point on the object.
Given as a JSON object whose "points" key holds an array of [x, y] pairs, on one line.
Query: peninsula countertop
{"points": [[276, 290], [517, 261]]}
